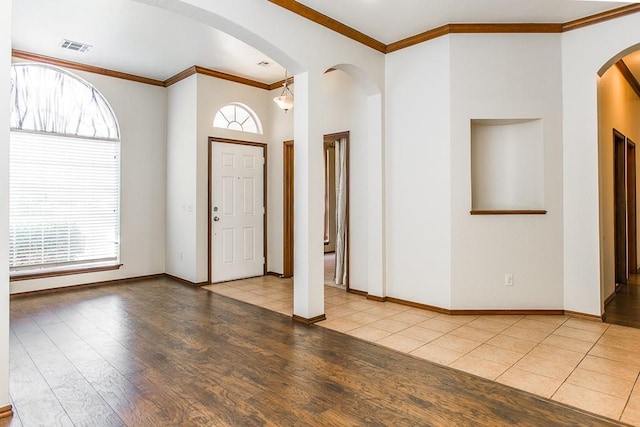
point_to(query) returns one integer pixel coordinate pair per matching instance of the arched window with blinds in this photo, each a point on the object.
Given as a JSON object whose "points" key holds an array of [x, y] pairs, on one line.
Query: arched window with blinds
{"points": [[64, 187]]}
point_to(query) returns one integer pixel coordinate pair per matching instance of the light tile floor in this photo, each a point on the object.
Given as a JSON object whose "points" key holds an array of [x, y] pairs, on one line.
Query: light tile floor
{"points": [[590, 365]]}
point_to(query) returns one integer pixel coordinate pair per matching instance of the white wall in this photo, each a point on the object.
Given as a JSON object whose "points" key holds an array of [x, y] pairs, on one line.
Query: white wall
{"points": [[618, 108], [493, 77], [141, 113], [192, 105], [418, 173], [344, 108], [584, 52], [181, 182], [554, 258], [5, 61]]}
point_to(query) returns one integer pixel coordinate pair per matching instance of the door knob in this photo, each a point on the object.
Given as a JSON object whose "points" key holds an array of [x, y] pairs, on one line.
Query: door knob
{"points": [[215, 218]]}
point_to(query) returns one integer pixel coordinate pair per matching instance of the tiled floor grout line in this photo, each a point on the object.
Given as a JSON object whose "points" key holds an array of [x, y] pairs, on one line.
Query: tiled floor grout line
{"points": [[629, 397], [573, 370], [578, 364], [450, 333], [579, 333], [524, 355]]}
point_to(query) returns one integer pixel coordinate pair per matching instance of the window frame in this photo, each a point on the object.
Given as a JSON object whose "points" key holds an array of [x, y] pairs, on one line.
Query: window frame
{"points": [[61, 268], [237, 105]]}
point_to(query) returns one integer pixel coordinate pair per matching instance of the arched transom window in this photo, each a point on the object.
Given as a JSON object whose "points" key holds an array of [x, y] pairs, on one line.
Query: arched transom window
{"points": [[237, 117], [64, 174]]}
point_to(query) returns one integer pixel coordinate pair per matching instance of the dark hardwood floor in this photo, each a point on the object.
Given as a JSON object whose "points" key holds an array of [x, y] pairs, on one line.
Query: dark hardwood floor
{"points": [[158, 353], [624, 308]]}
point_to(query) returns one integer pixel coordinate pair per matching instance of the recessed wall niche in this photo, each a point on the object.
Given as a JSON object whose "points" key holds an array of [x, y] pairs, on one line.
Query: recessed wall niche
{"points": [[507, 166]]}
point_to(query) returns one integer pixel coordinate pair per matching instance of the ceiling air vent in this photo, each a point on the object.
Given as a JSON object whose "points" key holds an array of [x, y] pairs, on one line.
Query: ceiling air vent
{"points": [[77, 46]]}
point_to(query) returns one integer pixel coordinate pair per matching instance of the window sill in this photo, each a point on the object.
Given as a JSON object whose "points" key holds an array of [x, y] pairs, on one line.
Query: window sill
{"points": [[509, 212], [29, 276]]}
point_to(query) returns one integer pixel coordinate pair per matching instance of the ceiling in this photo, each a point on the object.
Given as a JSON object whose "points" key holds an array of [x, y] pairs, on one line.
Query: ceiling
{"points": [[389, 21], [133, 38], [136, 38], [633, 63]]}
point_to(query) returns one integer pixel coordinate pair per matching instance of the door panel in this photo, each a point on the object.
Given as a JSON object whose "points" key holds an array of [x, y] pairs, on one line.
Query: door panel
{"points": [[228, 245], [249, 244], [237, 217], [249, 196], [228, 195]]}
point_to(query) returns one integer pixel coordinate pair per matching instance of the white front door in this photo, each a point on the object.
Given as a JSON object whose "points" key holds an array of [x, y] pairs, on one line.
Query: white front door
{"points": [[237, 211]]}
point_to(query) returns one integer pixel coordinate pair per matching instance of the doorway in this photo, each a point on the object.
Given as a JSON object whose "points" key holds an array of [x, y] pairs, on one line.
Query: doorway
{"points": [[237, 209], [623, 307], [625, 237], [620, 207], [632, 231], [336, 209]]}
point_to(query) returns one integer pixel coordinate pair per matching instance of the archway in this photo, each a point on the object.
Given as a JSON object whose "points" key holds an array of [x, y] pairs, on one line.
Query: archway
{"points": [[582, 243], [618, 131], [352, 106], [375, 201], [256, 29]]}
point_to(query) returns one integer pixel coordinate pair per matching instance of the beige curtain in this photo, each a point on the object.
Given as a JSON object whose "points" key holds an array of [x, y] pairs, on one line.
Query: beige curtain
{"points": [[341, 211]]}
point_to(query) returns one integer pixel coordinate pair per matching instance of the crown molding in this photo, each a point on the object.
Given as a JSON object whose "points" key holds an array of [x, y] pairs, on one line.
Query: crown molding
{"points": [[330, 23], [279, 84], [319, 18], [139, 79], [213, 73], [628, 75], [472, 29], [180, 76], [84, 67], [231, 78], [601, 17], [419, 38], [345, 30]]}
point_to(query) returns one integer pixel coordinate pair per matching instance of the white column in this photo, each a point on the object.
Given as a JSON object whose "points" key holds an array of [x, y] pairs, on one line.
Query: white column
{"points": [[308, 266], [5, 63], [376, 207]]}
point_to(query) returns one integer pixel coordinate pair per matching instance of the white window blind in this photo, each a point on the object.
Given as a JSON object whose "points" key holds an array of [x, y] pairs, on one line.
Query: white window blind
{"points": [[64, 202]]}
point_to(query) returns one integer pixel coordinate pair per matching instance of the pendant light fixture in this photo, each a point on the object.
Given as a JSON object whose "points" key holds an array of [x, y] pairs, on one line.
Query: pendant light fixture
{"points": [[285, 100]]}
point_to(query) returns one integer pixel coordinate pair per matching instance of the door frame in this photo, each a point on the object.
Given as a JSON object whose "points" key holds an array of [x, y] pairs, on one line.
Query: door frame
{"points": [[620, 209], [287, 206], [210, 142], [632, 225], [288, 214]]}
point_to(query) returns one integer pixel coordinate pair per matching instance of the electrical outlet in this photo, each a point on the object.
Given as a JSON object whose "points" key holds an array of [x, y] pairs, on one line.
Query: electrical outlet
{"points": [[508, 279], [181, 256]]}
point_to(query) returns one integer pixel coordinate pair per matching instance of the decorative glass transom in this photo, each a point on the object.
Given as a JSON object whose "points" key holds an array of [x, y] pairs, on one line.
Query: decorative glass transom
{"points": [[237, 117]]}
